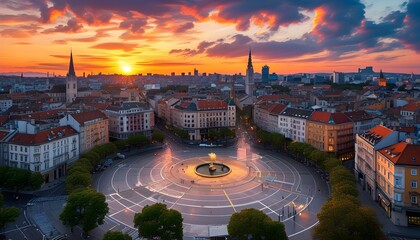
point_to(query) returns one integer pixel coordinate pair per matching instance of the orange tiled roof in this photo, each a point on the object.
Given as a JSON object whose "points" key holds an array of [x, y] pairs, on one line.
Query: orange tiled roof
{"points": [[43, 136], [380, 131], [211, 104], [402, 153], [88, 116]]}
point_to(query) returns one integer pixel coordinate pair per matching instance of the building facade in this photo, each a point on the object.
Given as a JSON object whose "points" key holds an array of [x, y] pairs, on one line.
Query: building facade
{"points": [[331, 133], [398, 178], [366, 146], [48, 152], [199, 116], [92, 126], [362, 121], [292, 123], [266, 116], [130, 118]]}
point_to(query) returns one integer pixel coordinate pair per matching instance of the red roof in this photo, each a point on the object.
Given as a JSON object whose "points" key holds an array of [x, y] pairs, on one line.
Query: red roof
{"points": [[43, 136], [380, 131], [402, 153], [39, 115], [269, 98], [3, 134], [99, 106], [357, 116], [326, 117], [3, 119], [211, 104], [411, 107], [88, 116]]}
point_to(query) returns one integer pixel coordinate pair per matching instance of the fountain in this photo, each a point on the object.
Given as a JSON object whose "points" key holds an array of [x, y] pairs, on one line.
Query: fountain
{"points": [[212, 169]]}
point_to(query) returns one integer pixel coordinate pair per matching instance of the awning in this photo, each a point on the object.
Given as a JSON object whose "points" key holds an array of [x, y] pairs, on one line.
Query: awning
{"points": [[384, 200]]}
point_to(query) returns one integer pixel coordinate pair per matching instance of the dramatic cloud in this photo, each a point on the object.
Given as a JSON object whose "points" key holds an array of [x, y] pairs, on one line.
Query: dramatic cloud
{"points": [[184, 27], [14, 19], [72, 27], [410, 34], [127, 47]]}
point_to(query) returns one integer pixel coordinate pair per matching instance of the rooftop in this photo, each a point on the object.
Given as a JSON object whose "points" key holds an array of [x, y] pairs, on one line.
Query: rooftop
{"points": [[88, 116], [402, 153], [376, 134], [43, 136], [296, 112]]}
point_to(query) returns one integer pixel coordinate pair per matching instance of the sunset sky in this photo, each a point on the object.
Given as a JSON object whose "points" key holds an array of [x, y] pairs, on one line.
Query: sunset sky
{"points": [[164, 36]]}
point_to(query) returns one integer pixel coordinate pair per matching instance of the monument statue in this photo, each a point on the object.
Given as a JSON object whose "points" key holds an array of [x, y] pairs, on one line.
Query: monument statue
{"points": [[212, 160]]}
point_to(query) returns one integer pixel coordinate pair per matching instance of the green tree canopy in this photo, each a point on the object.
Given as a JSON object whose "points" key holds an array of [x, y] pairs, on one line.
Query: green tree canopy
{"points": [[343, 218], [78, 180], [158, 136], [116, 235], [86, 207], [156, 221], [7, 214], [36, 180], [138, 140], [256, 224]]}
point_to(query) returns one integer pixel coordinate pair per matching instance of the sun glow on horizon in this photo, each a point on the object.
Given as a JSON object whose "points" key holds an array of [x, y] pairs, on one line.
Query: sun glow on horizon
{"points": [[125, 67]]}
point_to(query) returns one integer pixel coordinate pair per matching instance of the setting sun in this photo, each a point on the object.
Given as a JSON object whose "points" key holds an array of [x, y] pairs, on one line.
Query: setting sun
{"points": [[125, 68]]}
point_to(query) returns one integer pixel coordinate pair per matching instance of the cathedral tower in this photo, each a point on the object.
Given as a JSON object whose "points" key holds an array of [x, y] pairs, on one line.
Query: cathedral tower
{"points": [[71, 82], [249, 82]]}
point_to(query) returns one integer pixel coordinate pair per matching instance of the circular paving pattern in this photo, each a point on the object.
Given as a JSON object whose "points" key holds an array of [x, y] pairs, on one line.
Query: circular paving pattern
{"points": [[283, 189]]}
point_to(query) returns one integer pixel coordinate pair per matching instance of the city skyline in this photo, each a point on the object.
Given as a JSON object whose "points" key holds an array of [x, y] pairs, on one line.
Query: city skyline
{"points": [[178, 36]]}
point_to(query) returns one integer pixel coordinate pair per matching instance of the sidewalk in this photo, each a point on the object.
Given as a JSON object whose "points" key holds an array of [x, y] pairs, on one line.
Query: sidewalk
{"points": [[387, 226]]}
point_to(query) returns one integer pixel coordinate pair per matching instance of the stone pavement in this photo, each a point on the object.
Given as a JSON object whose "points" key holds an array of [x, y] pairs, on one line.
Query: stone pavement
{"points": [[393, 231]]}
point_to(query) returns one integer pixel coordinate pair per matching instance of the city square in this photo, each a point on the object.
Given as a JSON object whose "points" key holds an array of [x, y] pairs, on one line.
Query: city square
{"points": [[285, 190]]}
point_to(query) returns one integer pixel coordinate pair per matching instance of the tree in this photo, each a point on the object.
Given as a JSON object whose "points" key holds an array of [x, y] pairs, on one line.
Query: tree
{"points": [[158, 136], [256, 224], [78, 180], [36, 180], [116, 235], [156, 221], [17, 179], [343, 218], [213, 134], [86, 207], [7, 214], [138, 140]]}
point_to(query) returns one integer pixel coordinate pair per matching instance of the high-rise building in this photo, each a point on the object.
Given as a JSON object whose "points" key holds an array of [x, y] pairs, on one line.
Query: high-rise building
{"points": [[265, 72], [71, 82], [195, 72], [338, 77], [249, 81]]}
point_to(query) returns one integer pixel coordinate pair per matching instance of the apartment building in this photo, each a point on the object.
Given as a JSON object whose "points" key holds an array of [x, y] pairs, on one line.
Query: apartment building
{"points": [[292, 123], [266, 116], [366, 146], [199, 116], [92, 127], [398, 178], [48, 152], [362, 121], [331, 133], [130, 118]]}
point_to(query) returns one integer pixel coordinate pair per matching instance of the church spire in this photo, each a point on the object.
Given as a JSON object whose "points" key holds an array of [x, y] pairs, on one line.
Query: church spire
{"points": [[71, 66], [249, 59], [381, 75]]}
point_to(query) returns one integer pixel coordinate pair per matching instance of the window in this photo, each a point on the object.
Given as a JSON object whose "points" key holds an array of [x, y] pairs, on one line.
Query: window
{"points": [[413, 184], [414, 199], [413, 172], [398, 182], [397, 197]]}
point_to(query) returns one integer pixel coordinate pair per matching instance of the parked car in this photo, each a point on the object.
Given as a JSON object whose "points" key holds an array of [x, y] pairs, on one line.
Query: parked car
{"points": [[108, 162], [120, 156]]}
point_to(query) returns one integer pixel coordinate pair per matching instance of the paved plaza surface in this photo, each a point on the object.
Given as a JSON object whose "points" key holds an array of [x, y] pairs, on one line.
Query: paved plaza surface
{"points": [[281, 187]]}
